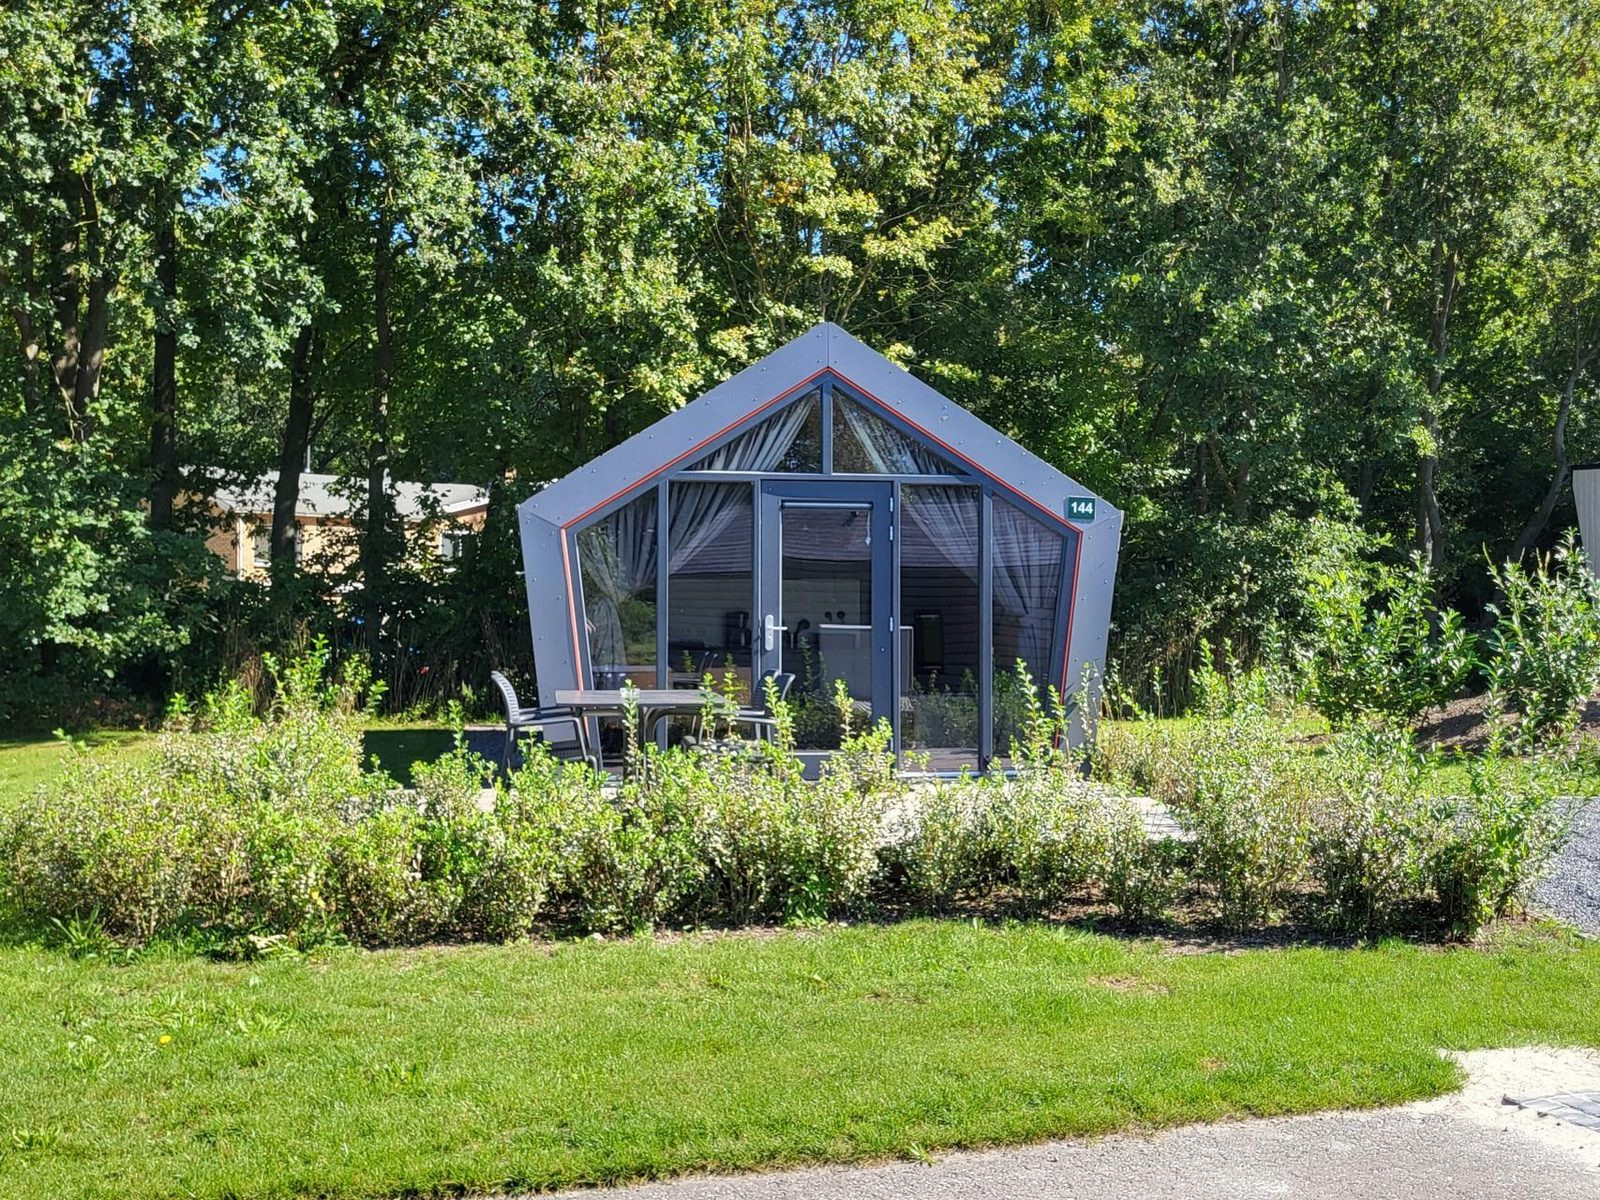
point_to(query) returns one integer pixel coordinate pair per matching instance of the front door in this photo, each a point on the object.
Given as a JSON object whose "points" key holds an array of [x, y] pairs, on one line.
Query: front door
{"points": [[826, 612]]}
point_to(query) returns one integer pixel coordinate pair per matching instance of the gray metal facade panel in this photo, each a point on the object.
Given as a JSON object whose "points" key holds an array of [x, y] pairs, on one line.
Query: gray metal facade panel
{"points": [[1093, 589], [1586, 498], [549, 612], [920, 405]]}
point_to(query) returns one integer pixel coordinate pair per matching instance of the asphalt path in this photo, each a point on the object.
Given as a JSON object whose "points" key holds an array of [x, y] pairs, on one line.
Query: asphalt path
{"points": [[1469, 1145]]}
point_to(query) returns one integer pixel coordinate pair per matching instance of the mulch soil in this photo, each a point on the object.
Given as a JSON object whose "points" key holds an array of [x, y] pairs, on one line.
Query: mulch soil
{"points": [[1460, 725]]}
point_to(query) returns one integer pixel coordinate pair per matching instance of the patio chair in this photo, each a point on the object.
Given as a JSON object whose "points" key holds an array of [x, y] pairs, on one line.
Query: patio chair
{"points": [[762, 719], [571, 747]]}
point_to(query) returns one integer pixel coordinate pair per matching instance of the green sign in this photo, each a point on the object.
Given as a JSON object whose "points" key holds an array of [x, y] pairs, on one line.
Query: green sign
{"points": [[1080, 508]]}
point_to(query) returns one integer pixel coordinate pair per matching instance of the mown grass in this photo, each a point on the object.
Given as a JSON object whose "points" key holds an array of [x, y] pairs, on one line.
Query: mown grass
{"points": [[28, 761], [529, 1066]]}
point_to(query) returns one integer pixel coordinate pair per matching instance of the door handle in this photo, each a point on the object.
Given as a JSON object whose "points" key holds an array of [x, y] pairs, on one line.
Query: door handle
{"points": [[771, 627]]}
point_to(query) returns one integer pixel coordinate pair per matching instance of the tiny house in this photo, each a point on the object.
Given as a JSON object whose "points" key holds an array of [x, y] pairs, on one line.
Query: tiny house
{"points": [[826, 514]]}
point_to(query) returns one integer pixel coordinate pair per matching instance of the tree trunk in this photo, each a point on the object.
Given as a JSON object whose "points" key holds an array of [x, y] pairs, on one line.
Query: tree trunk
{"points": [[91, 354], [164, 380], [1558, 447], [1430, 520], [374, 544], [292, 458]]}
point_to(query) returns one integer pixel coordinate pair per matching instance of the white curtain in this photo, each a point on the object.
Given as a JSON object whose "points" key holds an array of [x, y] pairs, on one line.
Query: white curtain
{"points": [[617, 555], [761, 447], [700, 514], [948, 518], [1027, 579], [888, 450]]}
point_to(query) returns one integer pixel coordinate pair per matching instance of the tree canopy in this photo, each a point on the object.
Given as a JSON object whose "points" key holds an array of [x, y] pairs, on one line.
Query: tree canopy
{"points": [[1294, 284]]}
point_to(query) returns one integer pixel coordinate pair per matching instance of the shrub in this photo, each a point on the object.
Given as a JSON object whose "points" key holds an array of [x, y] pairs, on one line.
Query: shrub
{"points": [[1493, 840], [1544, 650], [1047, 834], [1374, 834], [778, 847], [944, 848], [1143, 876], [1391, 661], [1243, 793], [223, 829], [637, 858]]}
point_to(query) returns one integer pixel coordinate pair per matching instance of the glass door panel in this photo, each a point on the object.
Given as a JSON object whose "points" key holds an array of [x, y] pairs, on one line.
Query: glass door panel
{"points": [[825, 611]]}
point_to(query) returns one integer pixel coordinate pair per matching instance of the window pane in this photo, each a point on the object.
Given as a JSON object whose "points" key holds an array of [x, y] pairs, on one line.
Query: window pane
{"points": [[939, 598], [1027, 578], [617, 558], [864, 443], [826, 603], [712, 579], [789, 440]]}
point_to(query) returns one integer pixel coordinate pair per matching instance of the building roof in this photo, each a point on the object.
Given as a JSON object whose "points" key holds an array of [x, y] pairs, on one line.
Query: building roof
{"points": [[782, 377], [324, 496]]}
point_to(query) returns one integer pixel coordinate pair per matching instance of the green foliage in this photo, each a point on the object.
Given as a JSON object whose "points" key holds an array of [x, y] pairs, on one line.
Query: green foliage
{"points": [[1375, 834], [1240, 788], [1544, 650], [1493, 840], [1382, 650], [1144, 875], [1275, 279], [223, 829]]}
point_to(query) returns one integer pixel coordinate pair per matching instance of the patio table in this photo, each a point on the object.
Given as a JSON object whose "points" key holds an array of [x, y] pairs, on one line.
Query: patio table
{"points": [[653, 705]]}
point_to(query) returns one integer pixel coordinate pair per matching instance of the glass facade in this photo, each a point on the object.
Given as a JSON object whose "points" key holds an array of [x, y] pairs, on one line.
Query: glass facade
{"points": [[1026, 560], [866, 444], [617, 557], [789, 440], [711, 580], [940, 602], [913, 591]]}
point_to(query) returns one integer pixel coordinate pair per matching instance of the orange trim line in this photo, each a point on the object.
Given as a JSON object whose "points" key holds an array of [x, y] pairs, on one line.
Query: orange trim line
{"points": [[572, 607]]}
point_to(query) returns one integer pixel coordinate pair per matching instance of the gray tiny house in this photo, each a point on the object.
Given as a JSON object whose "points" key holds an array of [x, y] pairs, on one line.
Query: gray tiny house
{"points": [[825, 513]]}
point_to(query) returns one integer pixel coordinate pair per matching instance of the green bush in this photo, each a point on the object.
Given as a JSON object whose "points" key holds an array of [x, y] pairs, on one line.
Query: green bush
{"points": [[1143, 876], [1375, 833], [1544, 650], [1243, 793], [1047, 835], [943, 847], [1493, 840], [1389, 661], [223, 830]]}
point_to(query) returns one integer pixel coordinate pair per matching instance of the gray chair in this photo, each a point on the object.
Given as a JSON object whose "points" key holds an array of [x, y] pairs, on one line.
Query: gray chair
{"points": [[571, 747], [762, 719]]}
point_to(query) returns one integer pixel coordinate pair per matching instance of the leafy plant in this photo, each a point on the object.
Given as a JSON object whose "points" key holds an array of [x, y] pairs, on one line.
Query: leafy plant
{"points": [[1242, 793], [1143, 876], [1544, 650], [1382, 650], [1494, 839], [1375, 832]]}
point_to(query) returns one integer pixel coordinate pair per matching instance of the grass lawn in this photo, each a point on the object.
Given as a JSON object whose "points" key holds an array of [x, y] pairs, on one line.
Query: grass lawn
{"points": [[397, 745], [437, 1070], [27, 762], [1446, 772]]}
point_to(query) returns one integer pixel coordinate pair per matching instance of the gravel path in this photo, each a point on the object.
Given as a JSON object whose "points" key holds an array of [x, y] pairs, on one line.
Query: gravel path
{"points": [[1571, 888]]}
